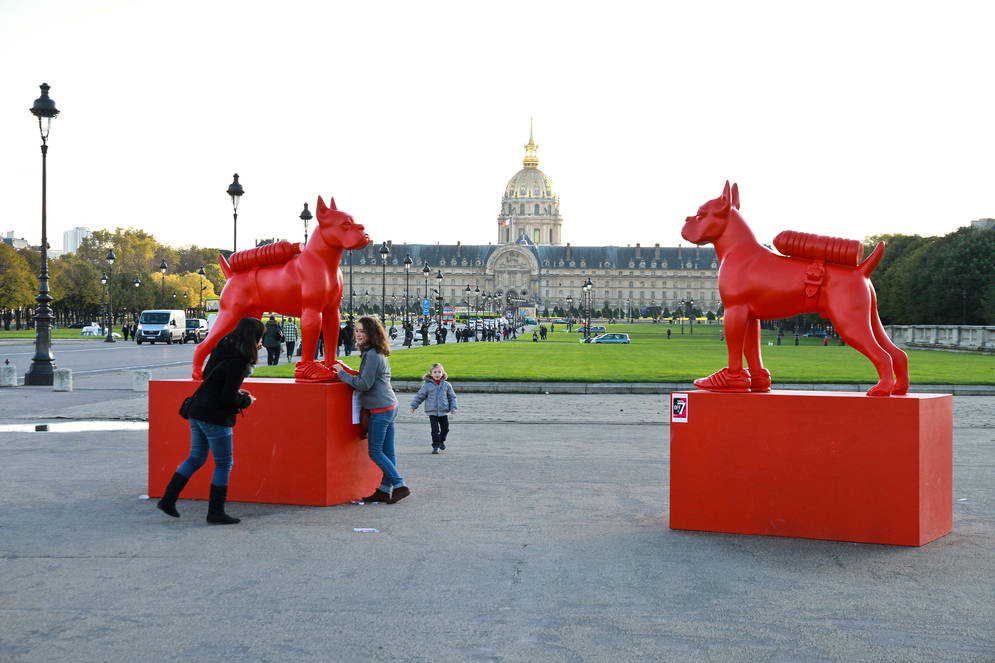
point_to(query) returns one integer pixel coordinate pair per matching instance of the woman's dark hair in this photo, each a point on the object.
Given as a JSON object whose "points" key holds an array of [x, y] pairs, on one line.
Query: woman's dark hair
{"points": [[245, 338], [376, 338]]}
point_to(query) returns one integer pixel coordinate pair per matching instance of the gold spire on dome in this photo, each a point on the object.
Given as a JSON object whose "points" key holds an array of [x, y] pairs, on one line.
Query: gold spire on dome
{"points": [[530, 160]]}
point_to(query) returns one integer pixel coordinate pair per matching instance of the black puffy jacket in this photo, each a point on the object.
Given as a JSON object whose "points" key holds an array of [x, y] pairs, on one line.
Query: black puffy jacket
{"points": [[219, 399]]}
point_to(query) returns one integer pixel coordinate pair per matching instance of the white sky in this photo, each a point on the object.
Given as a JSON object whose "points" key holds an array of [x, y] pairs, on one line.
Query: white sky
{"points": [[842, 118]]}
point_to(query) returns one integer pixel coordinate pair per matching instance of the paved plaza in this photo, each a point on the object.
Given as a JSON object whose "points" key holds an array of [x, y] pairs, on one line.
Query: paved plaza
{"points": [[540, 534]]}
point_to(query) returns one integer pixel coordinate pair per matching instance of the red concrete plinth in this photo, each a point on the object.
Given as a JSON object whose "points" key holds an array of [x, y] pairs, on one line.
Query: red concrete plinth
{"points": [[816, 465], [295, 445]]}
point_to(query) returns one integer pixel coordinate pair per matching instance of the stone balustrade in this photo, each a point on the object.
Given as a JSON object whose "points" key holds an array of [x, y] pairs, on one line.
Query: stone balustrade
{"points": [[965, 338]]}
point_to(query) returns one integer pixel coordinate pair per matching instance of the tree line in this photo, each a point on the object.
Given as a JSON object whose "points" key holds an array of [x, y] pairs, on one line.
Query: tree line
{"points": [[75, 278]]}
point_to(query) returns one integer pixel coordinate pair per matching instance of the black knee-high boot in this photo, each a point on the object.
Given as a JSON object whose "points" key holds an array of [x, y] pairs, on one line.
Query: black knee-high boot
{"points": [[216, 507], [168, 502]]}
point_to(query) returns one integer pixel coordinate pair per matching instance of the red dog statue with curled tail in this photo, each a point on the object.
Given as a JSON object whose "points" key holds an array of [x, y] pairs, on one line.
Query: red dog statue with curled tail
{"points": [[294, 280], [817, 275]]}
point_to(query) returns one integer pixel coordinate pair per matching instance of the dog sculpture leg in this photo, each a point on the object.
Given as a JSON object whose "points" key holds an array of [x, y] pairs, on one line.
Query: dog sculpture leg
{"points": [[330, 327], [857, 332], [759, 376], [899, 360], [733, 378]]}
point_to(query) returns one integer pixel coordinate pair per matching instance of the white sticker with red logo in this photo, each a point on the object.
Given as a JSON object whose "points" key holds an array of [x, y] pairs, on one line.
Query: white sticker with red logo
{"points": [[679, 408]]}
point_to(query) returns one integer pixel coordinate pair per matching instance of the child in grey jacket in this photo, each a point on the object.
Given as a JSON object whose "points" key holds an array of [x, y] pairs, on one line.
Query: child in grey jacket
{"points": [[440, 402]]}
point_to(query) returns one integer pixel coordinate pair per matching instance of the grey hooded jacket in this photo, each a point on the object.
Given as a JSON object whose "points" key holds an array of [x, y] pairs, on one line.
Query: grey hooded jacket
{"points": [[440, 399]]}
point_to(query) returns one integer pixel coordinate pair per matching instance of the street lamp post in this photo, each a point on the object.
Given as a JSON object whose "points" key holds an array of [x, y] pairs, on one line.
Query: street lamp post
{"points": [[352, 292], [137, 283], [103, 296], [163, 268], [235, 190], [305, 217], [587, 327], [200, 272], [476, 309], [628, 309], [690, 319], [570, 306], [110, 295], [467, 291], [407, 273], [425, 272], [439, 278], [384, 252], [42, 369]]}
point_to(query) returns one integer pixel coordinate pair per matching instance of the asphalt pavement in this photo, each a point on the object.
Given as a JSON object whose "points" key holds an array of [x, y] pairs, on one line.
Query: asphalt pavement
{"points": [[540, 534]]}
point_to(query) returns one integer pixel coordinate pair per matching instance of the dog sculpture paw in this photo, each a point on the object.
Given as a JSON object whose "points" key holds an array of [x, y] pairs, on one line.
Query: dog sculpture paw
{"points": [[759, 379], [313, 371], [725, 380]]}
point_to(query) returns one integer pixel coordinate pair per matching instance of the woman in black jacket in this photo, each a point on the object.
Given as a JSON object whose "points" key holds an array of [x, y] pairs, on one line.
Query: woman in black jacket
{"points": [[212, 415]]}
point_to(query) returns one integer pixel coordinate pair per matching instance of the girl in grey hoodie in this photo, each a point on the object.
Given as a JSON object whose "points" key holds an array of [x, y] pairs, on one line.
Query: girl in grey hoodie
{"points": [[440, 401]]}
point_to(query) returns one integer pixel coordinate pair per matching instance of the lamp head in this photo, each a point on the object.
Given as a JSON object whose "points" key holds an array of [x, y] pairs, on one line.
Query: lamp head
{"points": [[235, 190], [44, 109]]}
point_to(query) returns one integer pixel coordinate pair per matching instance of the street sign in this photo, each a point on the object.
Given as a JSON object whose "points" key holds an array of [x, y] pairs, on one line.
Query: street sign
{"points": [[424, 306]]}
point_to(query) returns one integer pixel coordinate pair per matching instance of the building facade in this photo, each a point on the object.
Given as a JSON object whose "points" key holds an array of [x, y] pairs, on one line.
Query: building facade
{"points": [[530, 267], [71, 239]]}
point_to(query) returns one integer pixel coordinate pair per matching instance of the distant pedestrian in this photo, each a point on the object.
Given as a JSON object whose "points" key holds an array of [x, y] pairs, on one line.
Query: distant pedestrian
{"points": [[272, 340], [216, 404], [349, 338], [668, 333], [290, 337], [535, 337], [440, 402]]}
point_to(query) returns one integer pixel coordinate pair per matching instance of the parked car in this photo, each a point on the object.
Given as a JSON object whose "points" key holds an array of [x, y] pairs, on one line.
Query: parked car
{"points": [[595, 329], [820, 334], [167, 325], [196, 330], [611, 338]]}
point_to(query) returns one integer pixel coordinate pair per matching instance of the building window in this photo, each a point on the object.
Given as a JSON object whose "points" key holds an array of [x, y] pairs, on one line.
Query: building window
{"points": [[537, 209], [521, 208], [536, 235]]}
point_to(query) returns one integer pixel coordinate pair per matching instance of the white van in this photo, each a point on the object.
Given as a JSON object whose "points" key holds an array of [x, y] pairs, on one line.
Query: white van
{"points": [[168, 326]]}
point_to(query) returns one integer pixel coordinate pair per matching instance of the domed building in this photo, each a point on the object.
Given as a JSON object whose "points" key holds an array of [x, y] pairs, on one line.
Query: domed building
{"points": [[530, 270], [529, 206]]}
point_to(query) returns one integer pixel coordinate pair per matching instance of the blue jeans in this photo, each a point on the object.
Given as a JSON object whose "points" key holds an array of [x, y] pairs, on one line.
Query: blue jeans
{"points": [[381, 448], [218, 439]]}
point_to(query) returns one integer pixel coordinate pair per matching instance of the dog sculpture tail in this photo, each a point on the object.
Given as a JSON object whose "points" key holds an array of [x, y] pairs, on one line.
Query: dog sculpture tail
{"points": [[872, 261], [225, 267]]}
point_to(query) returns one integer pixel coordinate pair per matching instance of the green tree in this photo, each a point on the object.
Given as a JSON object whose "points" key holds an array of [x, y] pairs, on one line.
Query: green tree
{"points": [[17, 283]]}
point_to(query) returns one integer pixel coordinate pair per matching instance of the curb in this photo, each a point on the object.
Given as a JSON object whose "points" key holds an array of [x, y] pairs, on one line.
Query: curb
{"points": [[667, 387]]}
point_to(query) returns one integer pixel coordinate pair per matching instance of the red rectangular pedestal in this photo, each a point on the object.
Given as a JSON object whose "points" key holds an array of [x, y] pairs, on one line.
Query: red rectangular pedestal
{"points": [[295, 445], [817, 465]]}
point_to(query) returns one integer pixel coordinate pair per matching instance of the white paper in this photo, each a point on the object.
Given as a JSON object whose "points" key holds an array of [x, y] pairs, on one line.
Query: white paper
{"points": [[366, 529]]}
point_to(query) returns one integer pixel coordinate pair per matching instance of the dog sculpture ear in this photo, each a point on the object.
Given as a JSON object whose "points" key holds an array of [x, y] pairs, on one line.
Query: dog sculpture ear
{"points": [[724, 200], [735, 195], [322, 208]]}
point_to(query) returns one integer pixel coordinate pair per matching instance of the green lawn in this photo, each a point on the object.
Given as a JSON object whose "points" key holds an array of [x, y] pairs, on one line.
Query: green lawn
{"points": [[56, 333], [651, 357]]}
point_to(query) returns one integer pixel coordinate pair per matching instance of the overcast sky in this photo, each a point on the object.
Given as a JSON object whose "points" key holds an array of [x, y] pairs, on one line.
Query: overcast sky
{"points": [[842, 118]]}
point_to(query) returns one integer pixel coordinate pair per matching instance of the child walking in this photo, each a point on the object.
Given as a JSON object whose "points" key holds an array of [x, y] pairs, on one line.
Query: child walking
{"points": [[440, 401]]}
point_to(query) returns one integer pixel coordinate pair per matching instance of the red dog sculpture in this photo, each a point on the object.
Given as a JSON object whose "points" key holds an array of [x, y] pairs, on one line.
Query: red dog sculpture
{"points": [[292, 280], [821, 276]]}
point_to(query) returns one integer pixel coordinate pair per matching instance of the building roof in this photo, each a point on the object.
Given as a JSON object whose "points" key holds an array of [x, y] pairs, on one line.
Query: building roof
{"points": [[558, 257]]}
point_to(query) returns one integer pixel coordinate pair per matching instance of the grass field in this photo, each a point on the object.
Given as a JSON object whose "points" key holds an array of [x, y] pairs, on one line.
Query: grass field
{"points": [[651, 357], [56, 333]]}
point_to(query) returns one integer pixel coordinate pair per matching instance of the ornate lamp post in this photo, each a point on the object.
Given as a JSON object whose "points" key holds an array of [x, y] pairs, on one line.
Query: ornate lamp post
{"points": [[467, 291], [690, 304], [163, 268], [110, 296], [407, 273], [42, 369], [439, 278], [587, 327], [235, 190], [200, 272], [352, 292], [305, 217], [384, 252], [570, 306], [628, 309], [476, 308], [103, 296], [137, 283]]}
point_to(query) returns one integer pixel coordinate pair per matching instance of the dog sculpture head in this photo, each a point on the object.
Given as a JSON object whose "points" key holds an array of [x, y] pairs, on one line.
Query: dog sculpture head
{"points": [[710, 221], [340, 226]]}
